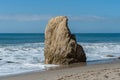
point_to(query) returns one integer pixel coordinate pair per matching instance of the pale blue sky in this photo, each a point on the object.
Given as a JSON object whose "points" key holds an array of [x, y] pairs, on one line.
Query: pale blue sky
{"points": [[85, 16]]}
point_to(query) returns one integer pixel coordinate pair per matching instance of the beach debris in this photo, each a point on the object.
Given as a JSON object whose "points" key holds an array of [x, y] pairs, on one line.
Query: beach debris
{"points": [[60, 45]]}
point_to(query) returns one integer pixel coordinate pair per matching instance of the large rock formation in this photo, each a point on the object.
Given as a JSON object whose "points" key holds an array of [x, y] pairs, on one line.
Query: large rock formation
{"points": [[60, 45]]}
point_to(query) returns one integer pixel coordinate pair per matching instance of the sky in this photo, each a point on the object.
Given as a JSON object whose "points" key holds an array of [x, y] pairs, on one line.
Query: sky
{"points": [[85, 16]]}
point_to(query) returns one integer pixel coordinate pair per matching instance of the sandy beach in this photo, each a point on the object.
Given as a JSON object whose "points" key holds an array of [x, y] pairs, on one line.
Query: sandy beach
{"points": [[105, 71]]}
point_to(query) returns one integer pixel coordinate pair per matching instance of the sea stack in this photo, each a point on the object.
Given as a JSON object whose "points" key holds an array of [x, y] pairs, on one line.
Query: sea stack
{"points": [[60, 45]]}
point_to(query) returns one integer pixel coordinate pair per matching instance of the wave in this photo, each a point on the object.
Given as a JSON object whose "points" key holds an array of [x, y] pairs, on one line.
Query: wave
{"points": [[99, 51], [18, 58]]}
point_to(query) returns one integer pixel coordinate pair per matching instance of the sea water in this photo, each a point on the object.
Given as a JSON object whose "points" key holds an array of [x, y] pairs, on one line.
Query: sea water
{"points": [[25, 52]]}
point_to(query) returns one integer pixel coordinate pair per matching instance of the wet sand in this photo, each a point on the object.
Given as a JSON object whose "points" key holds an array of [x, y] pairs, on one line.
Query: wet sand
{"points": [[104, 71]]}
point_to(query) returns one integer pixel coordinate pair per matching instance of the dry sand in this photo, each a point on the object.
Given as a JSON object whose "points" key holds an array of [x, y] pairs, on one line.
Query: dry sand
{"points": [[108, 71]]}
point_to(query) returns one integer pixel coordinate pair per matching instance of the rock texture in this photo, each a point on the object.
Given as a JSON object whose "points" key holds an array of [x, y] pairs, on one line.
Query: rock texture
{"points": [[60, 45]]}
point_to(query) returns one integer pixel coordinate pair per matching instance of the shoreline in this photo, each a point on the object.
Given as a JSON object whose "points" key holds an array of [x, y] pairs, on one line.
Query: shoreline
{"points": [[73, 72], [58, 67]]}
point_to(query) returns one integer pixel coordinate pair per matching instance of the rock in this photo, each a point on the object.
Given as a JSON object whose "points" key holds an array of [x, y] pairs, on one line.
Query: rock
{"points": [[10, 62], [118, 57], [60, 45], [109, 56]]}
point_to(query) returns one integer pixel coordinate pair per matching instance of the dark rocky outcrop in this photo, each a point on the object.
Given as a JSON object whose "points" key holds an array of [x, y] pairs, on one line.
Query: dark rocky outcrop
{"points": [[60, 45], [110, 56], [118, 57]]}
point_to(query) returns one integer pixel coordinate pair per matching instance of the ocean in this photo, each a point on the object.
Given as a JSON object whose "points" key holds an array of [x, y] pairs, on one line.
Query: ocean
{"points": [[21, 53]]}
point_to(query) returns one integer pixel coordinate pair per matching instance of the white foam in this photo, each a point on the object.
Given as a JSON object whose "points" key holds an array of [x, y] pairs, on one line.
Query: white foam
{"points": [[99, 51], [29, 57], [21, 58]]}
